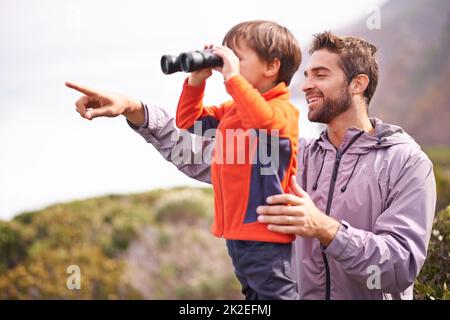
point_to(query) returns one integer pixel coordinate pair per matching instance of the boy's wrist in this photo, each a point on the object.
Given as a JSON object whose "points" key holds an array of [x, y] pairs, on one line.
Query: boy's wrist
{"points": [[231, 75], [195, 82]]}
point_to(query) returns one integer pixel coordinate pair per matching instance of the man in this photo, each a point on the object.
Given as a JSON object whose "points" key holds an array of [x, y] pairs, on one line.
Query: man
{"points": [[363, 201]]}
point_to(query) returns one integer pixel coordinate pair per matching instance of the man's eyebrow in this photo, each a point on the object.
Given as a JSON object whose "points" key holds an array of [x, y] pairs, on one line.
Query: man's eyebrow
{"points": [[316, 69]]}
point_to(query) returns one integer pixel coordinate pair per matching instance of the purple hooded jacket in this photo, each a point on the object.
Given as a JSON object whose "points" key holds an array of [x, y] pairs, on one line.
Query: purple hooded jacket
{"points": [[381, 188]]}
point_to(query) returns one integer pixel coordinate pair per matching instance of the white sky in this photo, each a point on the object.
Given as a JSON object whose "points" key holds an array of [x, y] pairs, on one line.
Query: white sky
{"points": [[48, 153]]}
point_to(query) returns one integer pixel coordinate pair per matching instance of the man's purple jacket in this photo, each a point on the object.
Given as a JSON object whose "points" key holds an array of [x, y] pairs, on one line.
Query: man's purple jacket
{"points": [[380, 187]]}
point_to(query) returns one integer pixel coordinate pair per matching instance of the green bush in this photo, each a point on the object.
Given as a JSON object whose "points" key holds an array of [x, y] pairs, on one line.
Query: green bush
{"points": [[187, 207], [432, 282], [442, 187], [13, 245], [440, 156]]}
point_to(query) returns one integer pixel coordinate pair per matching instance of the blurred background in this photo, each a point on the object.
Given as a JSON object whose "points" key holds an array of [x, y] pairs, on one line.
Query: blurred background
{"points": [[96, 195]]}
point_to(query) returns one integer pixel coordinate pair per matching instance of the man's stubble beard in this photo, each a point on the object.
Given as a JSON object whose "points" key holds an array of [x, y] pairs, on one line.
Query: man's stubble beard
{"points": [[332, 107]]}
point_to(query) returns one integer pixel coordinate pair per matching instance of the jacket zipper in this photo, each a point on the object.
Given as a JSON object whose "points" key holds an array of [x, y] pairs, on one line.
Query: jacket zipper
{"points": [[327, 212], [221, 228], [219, 163], [337, 162]]}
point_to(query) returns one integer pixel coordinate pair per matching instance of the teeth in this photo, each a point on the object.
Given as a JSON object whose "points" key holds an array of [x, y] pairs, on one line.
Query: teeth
{"points": [[313, 99]]}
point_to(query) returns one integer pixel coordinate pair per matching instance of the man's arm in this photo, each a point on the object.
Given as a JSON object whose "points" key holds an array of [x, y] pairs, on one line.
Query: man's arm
{"points": [[96, 103], [190, 153], [397, 246], [395, 249]]}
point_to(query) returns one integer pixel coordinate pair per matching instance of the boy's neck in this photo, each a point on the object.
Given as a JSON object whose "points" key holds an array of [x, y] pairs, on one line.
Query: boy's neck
{"points": [[264, 87]]}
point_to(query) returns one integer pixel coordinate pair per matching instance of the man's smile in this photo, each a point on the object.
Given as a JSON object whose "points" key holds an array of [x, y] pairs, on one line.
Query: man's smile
{"points": [[313, 99]]}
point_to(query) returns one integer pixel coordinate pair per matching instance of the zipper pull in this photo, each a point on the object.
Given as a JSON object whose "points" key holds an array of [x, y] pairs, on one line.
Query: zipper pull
{"points": [[336, 165]]}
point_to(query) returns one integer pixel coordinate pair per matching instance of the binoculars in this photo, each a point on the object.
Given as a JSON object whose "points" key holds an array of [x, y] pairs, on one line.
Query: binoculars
{"points": [[190, 61]]}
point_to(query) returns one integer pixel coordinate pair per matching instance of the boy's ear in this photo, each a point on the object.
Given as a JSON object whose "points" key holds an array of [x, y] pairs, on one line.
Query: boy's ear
{"points": [[272, 68]]}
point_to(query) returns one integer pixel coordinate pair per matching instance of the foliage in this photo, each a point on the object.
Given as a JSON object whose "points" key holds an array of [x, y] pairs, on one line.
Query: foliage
{"points": [[105, 237], [432, 282], [440, 157]]}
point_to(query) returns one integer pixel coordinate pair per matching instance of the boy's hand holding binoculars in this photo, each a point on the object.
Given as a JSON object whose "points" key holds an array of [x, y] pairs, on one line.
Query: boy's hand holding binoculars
{"points": [[230, 66], [196, 78], [229, 69]]}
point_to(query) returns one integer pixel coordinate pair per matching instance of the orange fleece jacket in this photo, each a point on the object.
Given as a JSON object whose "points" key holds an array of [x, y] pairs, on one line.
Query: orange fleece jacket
{"points": [[239, 186]]}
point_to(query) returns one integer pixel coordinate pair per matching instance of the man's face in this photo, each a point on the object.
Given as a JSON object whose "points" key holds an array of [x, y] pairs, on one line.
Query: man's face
{"points": [[326, 88]]}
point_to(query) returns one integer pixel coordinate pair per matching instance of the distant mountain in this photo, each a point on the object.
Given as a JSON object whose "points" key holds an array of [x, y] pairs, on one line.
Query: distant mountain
{"points": [[414, 56]]}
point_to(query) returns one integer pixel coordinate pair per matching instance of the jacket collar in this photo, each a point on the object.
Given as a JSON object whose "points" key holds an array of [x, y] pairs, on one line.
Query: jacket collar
{"points": [[385, 135], [279, 91]]}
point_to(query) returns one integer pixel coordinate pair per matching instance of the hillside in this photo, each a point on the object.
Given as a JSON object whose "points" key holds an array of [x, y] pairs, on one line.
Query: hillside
{"points": [[154, 245]]}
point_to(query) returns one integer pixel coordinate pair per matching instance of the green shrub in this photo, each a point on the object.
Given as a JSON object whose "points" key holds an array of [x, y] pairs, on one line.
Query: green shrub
{"points": [[432, 282], [440, 156], [442, 186], [188, 207], [13, 245]]}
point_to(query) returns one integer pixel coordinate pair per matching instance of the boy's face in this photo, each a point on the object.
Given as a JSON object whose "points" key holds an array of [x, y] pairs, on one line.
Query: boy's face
{"points": [[252, 68]]}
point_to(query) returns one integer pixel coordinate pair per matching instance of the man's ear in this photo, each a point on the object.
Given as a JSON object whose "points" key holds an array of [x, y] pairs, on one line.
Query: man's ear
{"points": [[272, 68], [359, 84]]}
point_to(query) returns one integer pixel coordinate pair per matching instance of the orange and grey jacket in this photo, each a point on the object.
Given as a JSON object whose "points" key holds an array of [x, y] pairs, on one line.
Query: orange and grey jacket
{"points": [[239, 186]]}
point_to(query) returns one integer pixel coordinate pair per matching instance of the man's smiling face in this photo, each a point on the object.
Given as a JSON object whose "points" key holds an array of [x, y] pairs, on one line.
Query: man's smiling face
{"points": [[326, 88]]}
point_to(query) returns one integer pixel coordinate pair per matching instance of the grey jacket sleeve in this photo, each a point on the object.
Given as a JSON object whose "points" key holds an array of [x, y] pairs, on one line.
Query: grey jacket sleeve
{"points": [[191, 154], [397, 248]]}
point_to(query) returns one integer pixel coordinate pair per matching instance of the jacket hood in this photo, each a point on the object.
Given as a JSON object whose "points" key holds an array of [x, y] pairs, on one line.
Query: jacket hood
{"points": [[386, 135]]}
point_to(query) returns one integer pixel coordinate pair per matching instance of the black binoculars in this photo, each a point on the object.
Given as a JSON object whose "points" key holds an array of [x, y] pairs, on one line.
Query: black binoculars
{"points": [[190, 61]]}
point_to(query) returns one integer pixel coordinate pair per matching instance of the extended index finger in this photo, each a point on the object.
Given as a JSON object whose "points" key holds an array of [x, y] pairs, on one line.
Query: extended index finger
{"points": [[83, 89]]}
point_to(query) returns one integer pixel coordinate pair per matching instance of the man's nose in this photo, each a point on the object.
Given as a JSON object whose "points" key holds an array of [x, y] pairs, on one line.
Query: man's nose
{"points": [[307, 86]]}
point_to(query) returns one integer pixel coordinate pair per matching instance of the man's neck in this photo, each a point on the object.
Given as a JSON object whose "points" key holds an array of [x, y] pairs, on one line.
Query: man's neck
{"points": [[355, 117]]}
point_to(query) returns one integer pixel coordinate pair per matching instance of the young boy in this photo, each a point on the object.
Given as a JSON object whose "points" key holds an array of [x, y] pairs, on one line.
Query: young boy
{"points": [[260, 58]]}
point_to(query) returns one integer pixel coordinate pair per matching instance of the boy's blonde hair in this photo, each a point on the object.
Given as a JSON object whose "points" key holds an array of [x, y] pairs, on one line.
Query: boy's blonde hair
{"points": [[270, 41]]}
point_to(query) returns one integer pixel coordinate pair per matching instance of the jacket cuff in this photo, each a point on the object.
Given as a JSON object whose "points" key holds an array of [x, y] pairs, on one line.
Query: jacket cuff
{"points": [[341, 241], [194, 90], [154, 119]]}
